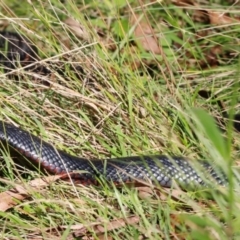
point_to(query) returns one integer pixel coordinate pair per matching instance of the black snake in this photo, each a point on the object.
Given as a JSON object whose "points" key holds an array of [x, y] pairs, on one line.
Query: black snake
{"points": [[159, 169]]}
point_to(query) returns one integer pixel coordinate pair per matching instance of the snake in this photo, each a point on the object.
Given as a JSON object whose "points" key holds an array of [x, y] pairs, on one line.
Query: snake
{"points": [[158, 169]]}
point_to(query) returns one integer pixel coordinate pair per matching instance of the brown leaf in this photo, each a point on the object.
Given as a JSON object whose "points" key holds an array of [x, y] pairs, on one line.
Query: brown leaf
{"points": [[183, 2], [100, 228], [211, 58], [3, 24], [10, 198], [78, 29], [118, 223], [145, 192], [108, 43], [144, 35], [218, 18], [201, 16], [103, 237]]}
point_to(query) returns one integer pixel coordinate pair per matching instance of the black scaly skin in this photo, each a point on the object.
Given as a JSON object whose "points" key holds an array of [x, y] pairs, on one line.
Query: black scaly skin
{"points": [[160, 169], [16, 50]]}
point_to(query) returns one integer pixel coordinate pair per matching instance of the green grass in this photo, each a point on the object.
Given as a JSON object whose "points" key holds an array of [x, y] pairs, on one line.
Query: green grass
{"points": [[114, 111]]}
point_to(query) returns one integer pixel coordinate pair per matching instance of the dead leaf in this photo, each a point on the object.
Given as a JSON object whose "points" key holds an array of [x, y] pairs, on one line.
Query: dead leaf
{"points": [[10, 198], [80, 230], [108, 43], [206, 16], [183, 2], [118, 223], [144, 35], [78, 29], [218, 18], [3, 24], [145, 192], [212, 57], [115, 224], [103, 237], [201, 16]]}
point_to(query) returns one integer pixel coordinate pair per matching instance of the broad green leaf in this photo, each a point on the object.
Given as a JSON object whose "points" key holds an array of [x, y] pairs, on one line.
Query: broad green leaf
{"points": [[211, 130], [121, 27]]}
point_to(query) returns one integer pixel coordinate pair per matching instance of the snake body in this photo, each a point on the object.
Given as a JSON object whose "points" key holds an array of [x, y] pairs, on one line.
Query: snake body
{"points": [[16, 51], [159, 169]]}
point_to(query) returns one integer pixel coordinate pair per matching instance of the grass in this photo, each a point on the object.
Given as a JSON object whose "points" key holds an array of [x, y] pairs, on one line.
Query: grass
{"points": [[116, 111]]}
